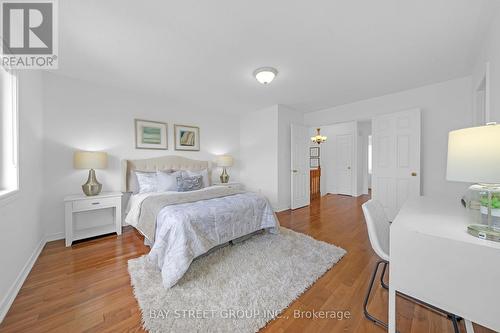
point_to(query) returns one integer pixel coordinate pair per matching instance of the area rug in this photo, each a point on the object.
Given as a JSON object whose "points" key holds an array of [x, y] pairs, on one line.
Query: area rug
{"points": [[238, 288]]}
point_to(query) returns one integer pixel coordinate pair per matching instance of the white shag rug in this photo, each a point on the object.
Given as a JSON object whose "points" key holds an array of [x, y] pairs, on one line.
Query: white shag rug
{"points": [[238, 288]]}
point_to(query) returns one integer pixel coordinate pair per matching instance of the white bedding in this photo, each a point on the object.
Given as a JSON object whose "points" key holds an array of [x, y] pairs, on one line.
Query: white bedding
{"points": [[187, 230], [134, 206]]}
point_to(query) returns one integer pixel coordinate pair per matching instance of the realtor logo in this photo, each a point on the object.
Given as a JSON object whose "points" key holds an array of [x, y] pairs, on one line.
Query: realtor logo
{"points": [[29, 34]]}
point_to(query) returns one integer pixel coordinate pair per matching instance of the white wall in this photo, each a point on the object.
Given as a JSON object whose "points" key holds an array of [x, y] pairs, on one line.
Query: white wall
{"points": [[490, 52], [81, 115], [265, 139], [21, 231], [445, 106], [259, 152], [286, 117]]}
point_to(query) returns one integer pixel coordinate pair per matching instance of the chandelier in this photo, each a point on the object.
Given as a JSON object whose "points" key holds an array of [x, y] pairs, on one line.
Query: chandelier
{"points": [[318, 138]]}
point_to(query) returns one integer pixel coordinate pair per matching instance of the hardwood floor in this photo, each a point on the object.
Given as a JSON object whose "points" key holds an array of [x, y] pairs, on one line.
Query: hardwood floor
{"points": [[87, 288]]}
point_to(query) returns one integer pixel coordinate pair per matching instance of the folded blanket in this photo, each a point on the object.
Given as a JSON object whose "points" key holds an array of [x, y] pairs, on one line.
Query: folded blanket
{"points": [[146, 206]]}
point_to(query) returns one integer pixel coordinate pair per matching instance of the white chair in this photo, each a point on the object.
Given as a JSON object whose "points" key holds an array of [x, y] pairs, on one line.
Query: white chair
{"points": [[378, 226]]}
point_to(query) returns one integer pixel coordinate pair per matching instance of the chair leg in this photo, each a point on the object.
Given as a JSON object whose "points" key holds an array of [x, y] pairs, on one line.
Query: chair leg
{"points": [[367, 298], [386, 287]]}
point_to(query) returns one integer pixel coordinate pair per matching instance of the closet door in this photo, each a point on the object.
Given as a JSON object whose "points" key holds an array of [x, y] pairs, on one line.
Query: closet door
{"points": [[396, 159]]}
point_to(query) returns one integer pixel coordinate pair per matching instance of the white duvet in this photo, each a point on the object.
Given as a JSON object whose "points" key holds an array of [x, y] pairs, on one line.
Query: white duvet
{"points": [[188, 230]]}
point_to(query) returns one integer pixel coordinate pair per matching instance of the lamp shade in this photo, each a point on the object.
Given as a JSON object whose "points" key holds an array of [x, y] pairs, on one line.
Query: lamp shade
{"points": [[225, 161], [90, 160], [474, 155]]}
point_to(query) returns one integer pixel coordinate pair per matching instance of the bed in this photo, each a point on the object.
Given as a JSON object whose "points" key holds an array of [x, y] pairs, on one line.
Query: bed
{"points": [[181, 226]]}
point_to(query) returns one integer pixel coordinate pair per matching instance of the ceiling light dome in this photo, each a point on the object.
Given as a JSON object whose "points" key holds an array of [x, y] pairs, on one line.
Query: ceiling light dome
{"points": [[265, 74]]}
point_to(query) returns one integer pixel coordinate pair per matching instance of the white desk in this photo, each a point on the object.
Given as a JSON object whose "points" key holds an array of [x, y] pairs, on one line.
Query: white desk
{"points": [[435, 260]]}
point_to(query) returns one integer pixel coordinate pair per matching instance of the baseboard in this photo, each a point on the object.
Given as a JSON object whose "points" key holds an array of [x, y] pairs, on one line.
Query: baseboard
{"points": [[21, 277], [53, 237], [280, 209], [18, 283]]}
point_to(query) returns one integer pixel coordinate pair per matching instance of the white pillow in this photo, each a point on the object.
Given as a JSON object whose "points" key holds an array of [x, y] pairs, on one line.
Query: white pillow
{"points": [[203, 173], [147, 181], [167, 181]]}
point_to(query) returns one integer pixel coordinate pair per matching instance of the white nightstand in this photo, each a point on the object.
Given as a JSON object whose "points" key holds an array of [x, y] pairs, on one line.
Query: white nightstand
{"points": [[235, 185], [82, 203]]}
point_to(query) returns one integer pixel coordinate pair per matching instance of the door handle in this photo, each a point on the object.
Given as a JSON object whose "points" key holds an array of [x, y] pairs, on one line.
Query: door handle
{"points": [[414, 174], [295, 171], [349, 168]]}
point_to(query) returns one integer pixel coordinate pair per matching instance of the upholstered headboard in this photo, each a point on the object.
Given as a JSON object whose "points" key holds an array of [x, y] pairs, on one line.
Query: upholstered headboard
{"points": [[129, 182]]}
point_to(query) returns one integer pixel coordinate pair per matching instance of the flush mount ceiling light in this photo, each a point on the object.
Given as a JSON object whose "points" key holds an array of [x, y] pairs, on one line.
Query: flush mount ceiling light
{"points": [[265, 74]]}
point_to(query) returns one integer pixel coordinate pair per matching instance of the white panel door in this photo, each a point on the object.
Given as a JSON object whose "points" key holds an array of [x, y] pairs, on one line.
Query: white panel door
{"points": [[396, 159], [344, 164], [299, 166]]}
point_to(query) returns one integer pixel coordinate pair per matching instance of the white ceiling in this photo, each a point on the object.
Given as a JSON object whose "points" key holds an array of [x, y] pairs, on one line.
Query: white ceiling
{"points": [[332, 52]]}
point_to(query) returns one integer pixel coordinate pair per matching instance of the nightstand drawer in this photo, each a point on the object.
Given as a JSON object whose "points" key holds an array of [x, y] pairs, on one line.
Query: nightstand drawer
{"points": [[235, 186], [95, 203]]}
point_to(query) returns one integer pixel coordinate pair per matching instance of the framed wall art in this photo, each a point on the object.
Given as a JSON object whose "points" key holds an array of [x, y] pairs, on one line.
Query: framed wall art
{"points": [[313, 152], [187, 137], [151, 134], [314, 162]]}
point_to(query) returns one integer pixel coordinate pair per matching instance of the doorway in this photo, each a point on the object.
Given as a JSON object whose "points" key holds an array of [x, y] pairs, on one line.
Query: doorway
{"points": [[338, 171], [315, 169], [344, 159], [315, 182], [364, 132], [482, 98]]}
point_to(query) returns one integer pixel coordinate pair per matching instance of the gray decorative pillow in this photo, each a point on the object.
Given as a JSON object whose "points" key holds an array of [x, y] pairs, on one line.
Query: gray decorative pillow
{"points": [[203, 173], [186, 184]]}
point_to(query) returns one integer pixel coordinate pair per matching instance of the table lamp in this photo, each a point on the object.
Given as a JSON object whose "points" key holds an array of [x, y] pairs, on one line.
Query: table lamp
{"points": [[474, 157], [91, 160], [224, 161]]}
